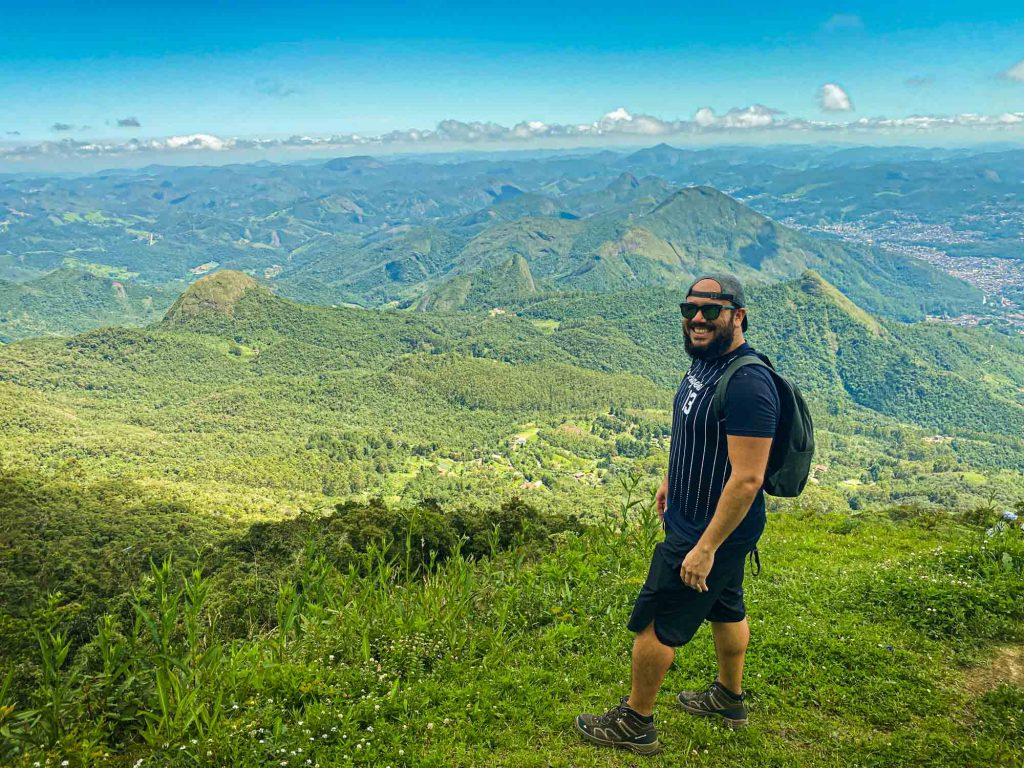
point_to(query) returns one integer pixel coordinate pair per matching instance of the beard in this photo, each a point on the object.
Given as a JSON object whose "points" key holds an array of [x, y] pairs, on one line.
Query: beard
{"points": [[721, 339]]}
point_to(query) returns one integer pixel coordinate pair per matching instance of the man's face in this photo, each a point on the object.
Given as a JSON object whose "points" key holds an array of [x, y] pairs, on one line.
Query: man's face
{"points": [[705, 339]]}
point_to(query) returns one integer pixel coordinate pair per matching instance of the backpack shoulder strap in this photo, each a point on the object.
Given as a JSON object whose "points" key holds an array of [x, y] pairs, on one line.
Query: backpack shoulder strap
{"points": [[723, 383]]}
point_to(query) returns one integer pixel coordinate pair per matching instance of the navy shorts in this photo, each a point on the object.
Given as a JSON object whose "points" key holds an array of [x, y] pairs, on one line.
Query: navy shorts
{"points": [[677, 610]]}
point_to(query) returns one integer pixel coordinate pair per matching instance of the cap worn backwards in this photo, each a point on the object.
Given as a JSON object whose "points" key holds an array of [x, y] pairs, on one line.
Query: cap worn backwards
{"points": [[729, 289]]}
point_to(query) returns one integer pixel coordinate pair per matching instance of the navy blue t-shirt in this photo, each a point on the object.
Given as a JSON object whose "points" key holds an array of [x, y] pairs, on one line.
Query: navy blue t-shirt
{"points": [[698, 465]]}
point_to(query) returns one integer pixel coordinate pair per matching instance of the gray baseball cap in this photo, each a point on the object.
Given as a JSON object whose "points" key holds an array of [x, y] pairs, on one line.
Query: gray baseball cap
{"points": [[729, 289]]}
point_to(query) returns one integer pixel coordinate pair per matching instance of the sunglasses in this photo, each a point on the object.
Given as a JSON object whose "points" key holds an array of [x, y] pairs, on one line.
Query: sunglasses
{"points": [[709, 311]]}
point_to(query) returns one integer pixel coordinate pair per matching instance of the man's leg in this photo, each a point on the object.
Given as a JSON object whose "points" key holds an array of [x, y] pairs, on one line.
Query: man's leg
{"points": [[731, 639], [630, 724], [651, 660]]}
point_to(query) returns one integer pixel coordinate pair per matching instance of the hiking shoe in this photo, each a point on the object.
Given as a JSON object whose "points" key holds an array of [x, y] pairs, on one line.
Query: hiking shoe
{"points": [[620, 727], [716, 700]]}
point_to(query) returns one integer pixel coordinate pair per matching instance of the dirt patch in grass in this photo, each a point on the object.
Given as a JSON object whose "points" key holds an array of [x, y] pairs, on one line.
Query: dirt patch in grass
{"points": [[1007, 666]]}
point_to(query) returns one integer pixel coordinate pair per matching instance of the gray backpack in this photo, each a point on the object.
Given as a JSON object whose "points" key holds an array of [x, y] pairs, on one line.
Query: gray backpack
{"points": [[789, 463]]}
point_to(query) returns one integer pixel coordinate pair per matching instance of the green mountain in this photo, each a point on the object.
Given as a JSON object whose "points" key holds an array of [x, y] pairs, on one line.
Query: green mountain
{"points": [[510, 282], [695, 230], [216, 294], [374, 232], [163, 221], [957, 380], [624, 196], [379, 522], [72, 299], [392, 264], [526, 247], [242, 405], [706, 226]]}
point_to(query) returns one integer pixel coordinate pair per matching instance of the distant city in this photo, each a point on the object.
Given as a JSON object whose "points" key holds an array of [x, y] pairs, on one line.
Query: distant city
{"points": [[999, 278]]}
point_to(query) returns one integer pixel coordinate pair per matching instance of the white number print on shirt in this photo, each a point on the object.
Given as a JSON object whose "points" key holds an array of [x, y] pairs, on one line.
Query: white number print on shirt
{"points": [[689, 402]]}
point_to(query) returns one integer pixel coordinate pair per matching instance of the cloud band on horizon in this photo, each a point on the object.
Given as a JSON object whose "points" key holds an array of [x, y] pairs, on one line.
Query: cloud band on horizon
{"points": [[620, 123]]}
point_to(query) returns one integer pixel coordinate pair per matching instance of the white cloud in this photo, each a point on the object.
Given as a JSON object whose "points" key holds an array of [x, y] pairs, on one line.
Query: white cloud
{"points": [[195, 141], [841, 21], [834, 99], [458, 131], [754, 116], [623, 121], [619, 115], [935, 122], [1016, 72]]}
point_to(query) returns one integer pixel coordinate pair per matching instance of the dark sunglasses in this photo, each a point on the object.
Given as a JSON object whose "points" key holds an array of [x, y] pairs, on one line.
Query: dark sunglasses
{"points": [[709, 311]]}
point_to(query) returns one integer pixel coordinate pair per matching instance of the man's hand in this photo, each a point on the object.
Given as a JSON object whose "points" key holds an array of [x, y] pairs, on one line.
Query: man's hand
{"points": [[661, 498], [696, 567]]}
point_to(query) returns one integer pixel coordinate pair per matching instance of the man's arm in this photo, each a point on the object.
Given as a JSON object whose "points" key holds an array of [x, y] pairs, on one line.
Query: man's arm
{"points": [[749, 459]]}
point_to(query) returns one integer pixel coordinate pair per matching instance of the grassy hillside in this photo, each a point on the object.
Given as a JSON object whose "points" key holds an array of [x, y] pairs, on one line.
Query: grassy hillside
{"points": [[261, 532], [874, 642]]}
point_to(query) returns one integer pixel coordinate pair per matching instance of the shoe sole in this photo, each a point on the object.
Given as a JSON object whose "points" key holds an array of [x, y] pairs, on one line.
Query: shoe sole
{"points": [[735, 723], [640, 749]]}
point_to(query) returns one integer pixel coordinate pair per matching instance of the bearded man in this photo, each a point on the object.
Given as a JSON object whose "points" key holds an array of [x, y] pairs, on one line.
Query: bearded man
{"points": [[712, 506]]}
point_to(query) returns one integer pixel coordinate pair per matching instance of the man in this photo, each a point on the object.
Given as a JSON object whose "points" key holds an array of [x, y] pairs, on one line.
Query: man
{"points": [[712, 507]]}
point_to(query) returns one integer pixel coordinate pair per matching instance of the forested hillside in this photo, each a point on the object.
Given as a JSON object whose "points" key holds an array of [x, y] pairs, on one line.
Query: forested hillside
{"points": [[71, 300], [234, 362]]}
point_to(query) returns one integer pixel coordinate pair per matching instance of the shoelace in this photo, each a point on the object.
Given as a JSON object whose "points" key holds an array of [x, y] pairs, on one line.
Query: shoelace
{"points": [[614, 713], [611, 715]]}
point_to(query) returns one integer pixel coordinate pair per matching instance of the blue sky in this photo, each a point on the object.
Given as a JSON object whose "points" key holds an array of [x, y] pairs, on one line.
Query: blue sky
{"points": [[70, 71]]}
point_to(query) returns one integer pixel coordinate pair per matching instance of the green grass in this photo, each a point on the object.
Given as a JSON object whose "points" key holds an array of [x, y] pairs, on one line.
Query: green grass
{"points": [[861, 630], [100, 270], [529, 432], [545, 326]]}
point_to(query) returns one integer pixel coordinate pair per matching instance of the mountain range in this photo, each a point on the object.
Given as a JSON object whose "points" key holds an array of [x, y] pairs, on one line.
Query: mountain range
{"points": [[373, 233]]}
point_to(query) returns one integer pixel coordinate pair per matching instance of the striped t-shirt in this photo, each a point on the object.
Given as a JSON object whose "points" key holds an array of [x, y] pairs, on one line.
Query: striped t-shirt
{"points": [[698, 465]]}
